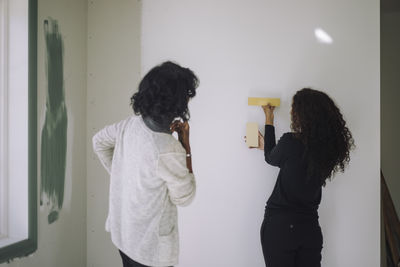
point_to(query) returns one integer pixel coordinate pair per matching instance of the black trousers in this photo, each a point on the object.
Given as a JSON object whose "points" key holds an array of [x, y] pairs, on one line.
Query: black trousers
{"points": [[291, 240], [128, 262]]}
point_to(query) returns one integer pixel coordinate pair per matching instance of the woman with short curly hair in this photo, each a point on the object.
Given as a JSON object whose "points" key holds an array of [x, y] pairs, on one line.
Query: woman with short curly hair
{"points": [[317, 148], [151, 172]]}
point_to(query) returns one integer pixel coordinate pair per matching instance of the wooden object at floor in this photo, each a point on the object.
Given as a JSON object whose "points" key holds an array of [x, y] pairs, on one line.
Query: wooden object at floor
{"points": [[391, 224]]}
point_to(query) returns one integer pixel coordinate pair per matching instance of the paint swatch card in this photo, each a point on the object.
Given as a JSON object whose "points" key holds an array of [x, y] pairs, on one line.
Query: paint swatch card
{"points": [[252, 134], [262, 101]]}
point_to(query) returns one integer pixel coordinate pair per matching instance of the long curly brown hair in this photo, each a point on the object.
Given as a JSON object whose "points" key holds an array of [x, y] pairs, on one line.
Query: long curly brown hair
{"points": [[318, 123]]}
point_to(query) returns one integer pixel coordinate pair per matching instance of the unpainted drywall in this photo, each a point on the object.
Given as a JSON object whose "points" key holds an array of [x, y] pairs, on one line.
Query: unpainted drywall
{"points": [[113, 76]]}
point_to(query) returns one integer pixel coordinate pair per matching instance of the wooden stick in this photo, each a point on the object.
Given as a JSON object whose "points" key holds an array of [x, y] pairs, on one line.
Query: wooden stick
{"points": [[391, 221]]}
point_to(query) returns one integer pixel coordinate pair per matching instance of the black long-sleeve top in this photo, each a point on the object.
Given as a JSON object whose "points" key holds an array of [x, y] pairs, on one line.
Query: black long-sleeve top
{"points": [[293, 191]]}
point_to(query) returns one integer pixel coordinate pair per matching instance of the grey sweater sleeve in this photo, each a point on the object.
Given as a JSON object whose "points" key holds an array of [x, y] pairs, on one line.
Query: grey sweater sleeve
{"points": [[181, 184], [104, 143]]}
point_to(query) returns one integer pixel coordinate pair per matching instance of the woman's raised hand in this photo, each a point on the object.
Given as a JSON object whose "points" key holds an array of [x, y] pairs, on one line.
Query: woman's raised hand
{"points": [[269, 114], [182, 129]]}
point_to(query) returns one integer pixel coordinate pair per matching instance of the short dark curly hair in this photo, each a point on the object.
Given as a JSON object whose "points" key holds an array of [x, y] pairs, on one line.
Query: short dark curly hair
{"points": [[164, 93], [317, 121]]}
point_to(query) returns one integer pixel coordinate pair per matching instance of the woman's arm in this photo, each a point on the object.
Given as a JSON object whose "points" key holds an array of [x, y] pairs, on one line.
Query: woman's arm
{"points": [[183, 135], [104, 143], [274, 154], [176, 168], [269, 120]]}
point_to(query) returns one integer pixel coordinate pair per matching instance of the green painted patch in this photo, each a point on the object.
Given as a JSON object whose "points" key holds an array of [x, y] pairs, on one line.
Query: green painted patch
{"points": [[54, 131]]}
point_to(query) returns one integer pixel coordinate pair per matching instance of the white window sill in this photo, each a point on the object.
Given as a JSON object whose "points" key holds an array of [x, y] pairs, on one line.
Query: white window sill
{"points": [[5, 241]]}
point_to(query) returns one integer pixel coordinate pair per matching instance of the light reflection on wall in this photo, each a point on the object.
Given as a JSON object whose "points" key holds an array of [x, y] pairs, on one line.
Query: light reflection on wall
{"points": [[322, 36]]}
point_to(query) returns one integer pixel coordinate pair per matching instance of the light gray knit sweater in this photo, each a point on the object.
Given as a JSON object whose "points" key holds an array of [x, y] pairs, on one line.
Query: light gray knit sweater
{"points": [[149, 178]]}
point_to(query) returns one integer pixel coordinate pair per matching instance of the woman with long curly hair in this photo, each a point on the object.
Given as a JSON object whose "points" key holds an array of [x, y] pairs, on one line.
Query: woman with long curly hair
{"points": [[150, 171], [317, 148]]}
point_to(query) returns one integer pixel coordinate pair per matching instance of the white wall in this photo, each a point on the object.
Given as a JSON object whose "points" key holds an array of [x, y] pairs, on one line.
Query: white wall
{"points": [[238, 48], [63, 243], [113, 76]]}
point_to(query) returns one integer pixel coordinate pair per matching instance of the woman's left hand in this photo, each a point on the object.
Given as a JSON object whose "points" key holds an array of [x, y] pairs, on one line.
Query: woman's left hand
{"points": [[260, 142]]}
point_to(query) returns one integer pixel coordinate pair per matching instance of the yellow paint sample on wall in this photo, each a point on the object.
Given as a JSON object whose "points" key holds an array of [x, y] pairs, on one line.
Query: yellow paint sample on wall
{"points": [[252, 134], [262, 101]]}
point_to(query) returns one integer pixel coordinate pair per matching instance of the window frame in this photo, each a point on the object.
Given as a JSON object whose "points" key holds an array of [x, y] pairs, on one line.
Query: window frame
{"points": [[3, 119], [29, 245]]}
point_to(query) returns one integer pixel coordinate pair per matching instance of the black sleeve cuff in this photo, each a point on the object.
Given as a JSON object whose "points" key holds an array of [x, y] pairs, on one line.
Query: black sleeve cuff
{"points": [[269, 138]]}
